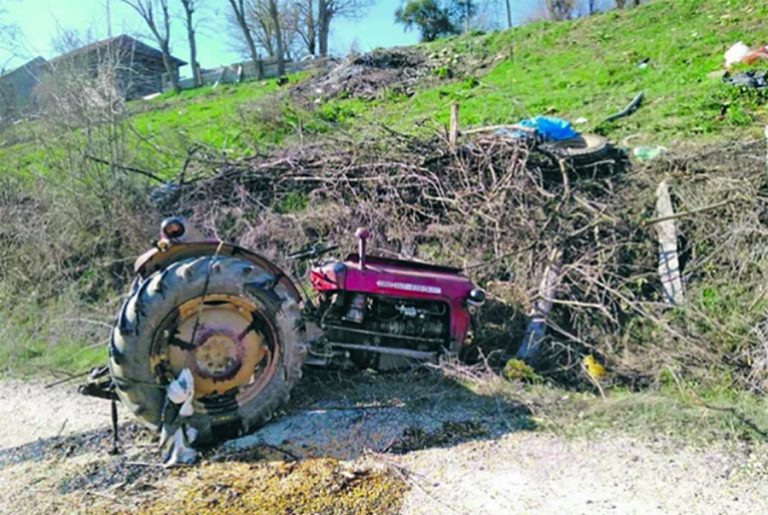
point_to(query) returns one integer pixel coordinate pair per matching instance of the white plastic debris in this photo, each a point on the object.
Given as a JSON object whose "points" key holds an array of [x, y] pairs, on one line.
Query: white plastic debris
{"points": [[177, 437], [182, 391], [736, 54], [179, 450]]}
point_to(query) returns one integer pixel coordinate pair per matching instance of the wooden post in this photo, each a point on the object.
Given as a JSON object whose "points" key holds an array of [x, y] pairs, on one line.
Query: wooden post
{"points": [[766, 140], [453, 134], [537, 321], [669, 263]]}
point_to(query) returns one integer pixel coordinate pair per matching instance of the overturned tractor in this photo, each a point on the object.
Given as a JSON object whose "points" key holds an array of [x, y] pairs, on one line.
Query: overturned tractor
{"points": [[242, 329]]}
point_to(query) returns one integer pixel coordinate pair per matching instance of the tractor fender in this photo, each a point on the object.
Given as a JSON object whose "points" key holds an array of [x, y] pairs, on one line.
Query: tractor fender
{"points": [[158, 259]]}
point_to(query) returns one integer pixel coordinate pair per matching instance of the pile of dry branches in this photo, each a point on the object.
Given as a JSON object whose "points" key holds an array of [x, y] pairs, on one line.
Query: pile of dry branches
{"points": [[507, 213], [493, 206], [365, 76]]}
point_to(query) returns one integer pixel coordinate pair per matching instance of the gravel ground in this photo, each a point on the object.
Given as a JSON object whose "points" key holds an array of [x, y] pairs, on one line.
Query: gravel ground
{"points": [[460, 453], [537, 473], [29, 411]]}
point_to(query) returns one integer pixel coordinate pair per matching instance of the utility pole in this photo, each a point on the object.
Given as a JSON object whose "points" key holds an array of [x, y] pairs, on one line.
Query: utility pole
{"points": [[509, 14]]}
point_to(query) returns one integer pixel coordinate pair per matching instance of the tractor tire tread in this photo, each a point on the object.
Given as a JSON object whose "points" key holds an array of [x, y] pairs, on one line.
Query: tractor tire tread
{"points": [[154, 298]]}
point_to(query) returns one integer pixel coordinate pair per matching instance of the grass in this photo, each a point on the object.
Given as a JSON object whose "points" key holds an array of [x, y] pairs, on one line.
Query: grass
{"points": [[699, 419], [41, 359], [49, 340], [589, 68], [586, 68]]}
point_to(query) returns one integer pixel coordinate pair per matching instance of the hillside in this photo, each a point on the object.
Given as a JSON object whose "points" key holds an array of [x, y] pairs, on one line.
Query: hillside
{"points": [[584, 69], [631, 395], [77, 203]]}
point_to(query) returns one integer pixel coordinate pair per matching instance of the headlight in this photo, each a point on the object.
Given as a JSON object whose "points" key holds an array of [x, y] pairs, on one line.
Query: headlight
{"points": [[477, 297], [173, 228], [475, 300]]}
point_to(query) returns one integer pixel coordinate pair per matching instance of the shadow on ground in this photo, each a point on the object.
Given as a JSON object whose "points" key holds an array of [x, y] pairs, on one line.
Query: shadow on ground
{"points": [[343, 415]]}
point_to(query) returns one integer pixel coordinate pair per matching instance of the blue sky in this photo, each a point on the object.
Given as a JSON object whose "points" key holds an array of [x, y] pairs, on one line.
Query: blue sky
{"points": [[40, 20]]}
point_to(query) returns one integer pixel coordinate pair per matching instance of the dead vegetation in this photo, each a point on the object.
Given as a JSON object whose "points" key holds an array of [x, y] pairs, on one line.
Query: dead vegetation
{"points": [[396, 71], [501, 210], [505, 212], [317, 485], [364, 76], [490, 205]]}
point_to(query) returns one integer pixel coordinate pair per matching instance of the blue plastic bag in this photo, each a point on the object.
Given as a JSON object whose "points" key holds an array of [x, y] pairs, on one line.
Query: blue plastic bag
{"points": [[551, 129]]}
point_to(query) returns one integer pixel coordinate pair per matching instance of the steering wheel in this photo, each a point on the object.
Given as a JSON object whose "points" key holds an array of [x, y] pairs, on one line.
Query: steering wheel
{"points": [[312, 252]]}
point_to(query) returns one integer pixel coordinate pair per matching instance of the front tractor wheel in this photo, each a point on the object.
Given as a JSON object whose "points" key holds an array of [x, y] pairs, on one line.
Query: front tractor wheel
{"points": [[230, 323]]}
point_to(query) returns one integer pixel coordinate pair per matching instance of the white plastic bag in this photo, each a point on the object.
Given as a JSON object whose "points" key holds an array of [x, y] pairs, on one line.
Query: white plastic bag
{"points": [[182, 391], [176, 451], [736, 54]]}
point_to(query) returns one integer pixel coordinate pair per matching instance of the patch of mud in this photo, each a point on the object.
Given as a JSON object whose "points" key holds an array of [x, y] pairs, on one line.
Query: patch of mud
{"points": [[59, 448], [451, 433]]}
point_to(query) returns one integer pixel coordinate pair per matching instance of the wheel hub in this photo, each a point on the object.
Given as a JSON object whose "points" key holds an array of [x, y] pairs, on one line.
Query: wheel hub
{"points": [[218, 355], [219, 343]]}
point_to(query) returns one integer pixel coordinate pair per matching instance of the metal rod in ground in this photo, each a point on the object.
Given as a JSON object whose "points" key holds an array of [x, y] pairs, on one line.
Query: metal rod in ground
{"points": [[537, 322], [115, 437]]}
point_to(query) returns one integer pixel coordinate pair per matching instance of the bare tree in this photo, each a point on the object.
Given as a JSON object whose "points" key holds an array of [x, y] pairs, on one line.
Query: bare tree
{"points": [[274, 16], [274, 27], [67, 39], [290, 30], [259, 18], [190, 6], [328, 10], [161, 30], [9, 37], [306, 24], [240, 13]]}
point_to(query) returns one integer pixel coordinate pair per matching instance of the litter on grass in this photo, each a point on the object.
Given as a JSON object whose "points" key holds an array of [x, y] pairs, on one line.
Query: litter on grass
{"points": [[741, 53], [648, 153], [546, 128], [749, 79], [736, 54]]}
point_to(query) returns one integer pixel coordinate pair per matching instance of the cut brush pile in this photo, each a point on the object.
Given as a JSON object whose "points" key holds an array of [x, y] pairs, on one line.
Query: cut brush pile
{"points": [[504, 211]]}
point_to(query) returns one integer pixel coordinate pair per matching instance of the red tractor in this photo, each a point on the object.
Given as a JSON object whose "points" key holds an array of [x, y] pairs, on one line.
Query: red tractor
{"points": [[243, 329]]}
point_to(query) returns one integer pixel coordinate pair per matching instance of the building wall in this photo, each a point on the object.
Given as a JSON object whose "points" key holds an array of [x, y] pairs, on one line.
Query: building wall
{"points": [[17, 90], [143, 77], [137, 75]]}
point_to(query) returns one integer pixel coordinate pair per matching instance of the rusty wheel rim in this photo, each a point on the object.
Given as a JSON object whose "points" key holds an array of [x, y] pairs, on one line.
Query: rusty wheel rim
{"points": [[227, 342]]}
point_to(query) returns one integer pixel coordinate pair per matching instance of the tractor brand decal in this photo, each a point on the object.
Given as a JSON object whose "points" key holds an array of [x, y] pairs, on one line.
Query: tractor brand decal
{"points": [[421, 288]]}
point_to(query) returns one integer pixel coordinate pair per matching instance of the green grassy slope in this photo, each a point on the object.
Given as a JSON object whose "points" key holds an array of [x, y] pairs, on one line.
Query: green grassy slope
{"points": [[586, 68], [589, 68]]}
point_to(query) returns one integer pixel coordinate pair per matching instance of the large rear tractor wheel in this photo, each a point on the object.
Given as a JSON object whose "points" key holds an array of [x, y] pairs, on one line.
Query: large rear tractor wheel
{"points": [[227, 320]]}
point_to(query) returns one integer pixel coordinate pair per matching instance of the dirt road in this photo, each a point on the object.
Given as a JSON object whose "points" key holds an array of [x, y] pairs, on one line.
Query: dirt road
{"points": [[449, 450]]}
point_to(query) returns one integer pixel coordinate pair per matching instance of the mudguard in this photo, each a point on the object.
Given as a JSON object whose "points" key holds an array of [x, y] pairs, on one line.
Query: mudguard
{"points": [[158, 259]]}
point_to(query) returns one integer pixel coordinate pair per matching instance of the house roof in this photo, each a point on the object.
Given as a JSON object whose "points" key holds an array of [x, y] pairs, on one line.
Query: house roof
{"points": [[29, 67], [123, 42]]}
